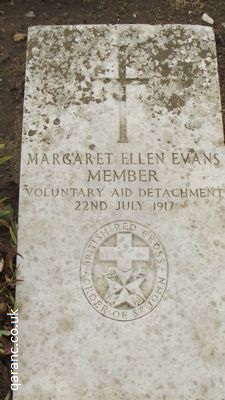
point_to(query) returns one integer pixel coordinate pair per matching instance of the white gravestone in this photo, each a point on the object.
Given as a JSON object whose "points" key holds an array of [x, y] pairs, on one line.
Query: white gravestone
{"points": [[122, 215]]}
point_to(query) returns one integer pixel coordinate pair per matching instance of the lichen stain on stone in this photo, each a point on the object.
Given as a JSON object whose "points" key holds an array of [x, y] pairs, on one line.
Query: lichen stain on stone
{"points": [[65, 324], [178, 58], [56, 121], [175, 102], [184, 204], [67, 45], [46, 140], [31, 132], [75, 66], [99, 70]]}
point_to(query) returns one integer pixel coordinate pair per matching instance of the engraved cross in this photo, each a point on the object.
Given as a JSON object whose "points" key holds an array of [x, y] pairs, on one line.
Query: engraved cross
{"points": [[124, 82], [124, 253]]}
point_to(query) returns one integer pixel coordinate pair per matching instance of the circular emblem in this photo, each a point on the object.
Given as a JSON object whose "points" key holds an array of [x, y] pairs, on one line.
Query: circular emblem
{"points": [[124, 270]]}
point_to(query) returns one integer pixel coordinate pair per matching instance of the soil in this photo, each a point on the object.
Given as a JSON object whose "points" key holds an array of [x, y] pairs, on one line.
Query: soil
{"points": [[14, 19]]}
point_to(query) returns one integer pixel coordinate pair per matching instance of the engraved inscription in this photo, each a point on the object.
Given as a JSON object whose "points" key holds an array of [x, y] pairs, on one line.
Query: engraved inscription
{"points": [[124, 270], [130, 181]]}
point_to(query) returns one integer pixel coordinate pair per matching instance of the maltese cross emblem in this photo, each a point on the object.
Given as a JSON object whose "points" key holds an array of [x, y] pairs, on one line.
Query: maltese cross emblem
{"points": [[124, 270]]}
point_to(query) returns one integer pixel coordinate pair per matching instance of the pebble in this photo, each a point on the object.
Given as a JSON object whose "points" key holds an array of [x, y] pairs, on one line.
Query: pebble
{"points": [[30, 14], [18, 37], [206, 18]]}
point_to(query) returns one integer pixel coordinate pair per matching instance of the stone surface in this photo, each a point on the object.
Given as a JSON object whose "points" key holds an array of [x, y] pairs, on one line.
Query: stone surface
{"points": [[122, 215]]}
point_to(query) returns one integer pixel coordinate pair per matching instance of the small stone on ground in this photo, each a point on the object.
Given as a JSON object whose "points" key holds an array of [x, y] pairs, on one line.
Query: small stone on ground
{"points": [[206, 18]]}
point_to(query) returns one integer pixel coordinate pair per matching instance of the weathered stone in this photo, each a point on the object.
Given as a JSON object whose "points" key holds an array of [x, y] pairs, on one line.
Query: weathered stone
{"points": [[122, 215]]}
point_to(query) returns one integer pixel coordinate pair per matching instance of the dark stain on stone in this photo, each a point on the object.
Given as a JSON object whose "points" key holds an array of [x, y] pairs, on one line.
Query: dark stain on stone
{"points": [[175, 102], [31, 132], [99, 70], [46, 140], [67, 45], [67, 32], [152, 58], [79, 77]]}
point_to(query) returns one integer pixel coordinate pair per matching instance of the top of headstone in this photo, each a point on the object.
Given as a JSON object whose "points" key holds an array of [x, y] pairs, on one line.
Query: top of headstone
{"points": [[172, 69]]}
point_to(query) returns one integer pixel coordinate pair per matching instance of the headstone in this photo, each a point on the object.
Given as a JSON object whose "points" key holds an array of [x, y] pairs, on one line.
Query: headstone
{"points": [[122, 215]]}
